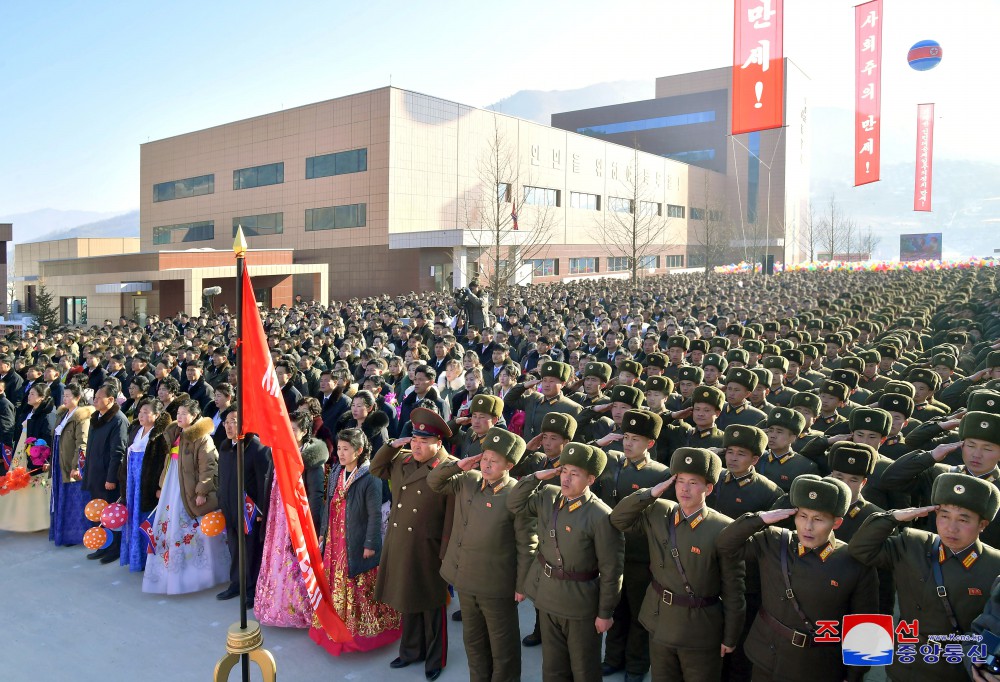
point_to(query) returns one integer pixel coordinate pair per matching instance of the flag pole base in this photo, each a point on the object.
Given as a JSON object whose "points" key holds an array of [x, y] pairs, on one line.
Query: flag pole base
{"points": [[250, 641]]}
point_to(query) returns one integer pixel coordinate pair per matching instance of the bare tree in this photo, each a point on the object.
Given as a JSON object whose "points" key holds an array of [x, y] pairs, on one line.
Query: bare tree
{"points": [[869, 242], [633, 226], [809, 234], [713, 241], [505, 233], [831, 230]]}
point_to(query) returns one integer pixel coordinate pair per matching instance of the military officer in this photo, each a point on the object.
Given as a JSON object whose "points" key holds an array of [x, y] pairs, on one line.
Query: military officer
{"points": [[548, 398], [832, 396], [943, 578], [853, 463], [677, 346], [740, 383], [484, 413], [693, 606], [601, 425], [714, 366], [542, 451], [704, 411], [780, 394], [796, 360], [658, 391], [575, 580], [628, 470], [488, 554], [900, 408], [926, 382], [409, 576], [595, 377], [780, 463], [807, 576]]}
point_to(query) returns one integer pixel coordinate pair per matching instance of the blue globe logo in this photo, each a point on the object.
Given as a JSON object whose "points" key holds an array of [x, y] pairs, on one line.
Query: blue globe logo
{"points": [[925, 55]]}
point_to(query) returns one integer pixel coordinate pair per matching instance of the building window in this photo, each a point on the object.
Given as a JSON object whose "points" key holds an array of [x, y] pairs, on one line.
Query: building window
{"points": [[649, 262], [675, 261], [259, 225], [650, 208], [544, 267], [582, 266], [503, 192], [675, 211], [697, 213], [619, 205], [590, 202], [203, 231], [649, 123], [339, 163], [259, 176], [618, 264], [541, 196], [335, 217], [692, 156], [182, 189], [696, 260], [74, 310]]}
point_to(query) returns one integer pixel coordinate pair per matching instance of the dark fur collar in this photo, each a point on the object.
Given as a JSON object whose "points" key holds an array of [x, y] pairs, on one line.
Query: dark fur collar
{"points": [[102, 419]]}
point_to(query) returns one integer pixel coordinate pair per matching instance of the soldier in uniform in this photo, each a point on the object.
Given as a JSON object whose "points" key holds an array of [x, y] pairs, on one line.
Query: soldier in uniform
{"points": [[595, 377], [409, 576], [693, 605], [900, 408], [658, 390], [705, 409], [926, 382], [689, 377], [944, 578], [677, 346], [807, 576], [544, 449], [740, 383], [656, 363], [870, 378], [741, 490], [488, 554], [759, 396], [714, 366], [780, 463], [549, 397], [937, 431], [780, 394], [484, 413], [853, 463], [832, 396], [796, 359], [602, 431], [575, 580], [628, 470]]}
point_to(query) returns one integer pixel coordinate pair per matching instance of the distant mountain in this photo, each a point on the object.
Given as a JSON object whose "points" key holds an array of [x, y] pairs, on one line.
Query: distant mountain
{"points": [[124, 225], [539, 105], [37, 225]]}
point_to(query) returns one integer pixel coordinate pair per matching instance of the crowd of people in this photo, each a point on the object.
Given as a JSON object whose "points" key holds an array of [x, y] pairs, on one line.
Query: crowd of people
{"points": [[697, 478]]}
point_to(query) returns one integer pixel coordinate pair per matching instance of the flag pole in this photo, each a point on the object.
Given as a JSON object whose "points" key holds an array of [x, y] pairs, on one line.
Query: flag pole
{"points": [[244, 641]]}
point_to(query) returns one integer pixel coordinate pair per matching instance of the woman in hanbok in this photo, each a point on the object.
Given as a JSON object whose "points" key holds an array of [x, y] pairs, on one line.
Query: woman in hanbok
{"points": [[187, 560], [27, 509], [281, 599], [353, 535], [151, 421], [68, 524]]}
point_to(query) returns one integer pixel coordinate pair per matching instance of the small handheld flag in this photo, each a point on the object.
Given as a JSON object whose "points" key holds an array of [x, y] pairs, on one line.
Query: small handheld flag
{"points": [[147, 530], [513, 212], [250, 513]]}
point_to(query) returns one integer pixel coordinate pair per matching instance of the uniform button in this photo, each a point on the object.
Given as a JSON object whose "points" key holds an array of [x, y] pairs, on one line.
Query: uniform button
{"points": [[414, 511], [409, 529], [419, 491], [399, 506], [404, 487], [394, 525]]}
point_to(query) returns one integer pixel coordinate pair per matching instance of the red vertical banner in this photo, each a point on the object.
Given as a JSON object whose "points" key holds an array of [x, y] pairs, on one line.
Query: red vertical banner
{"points": [[868, 92], [925, 158], [758, 67]]}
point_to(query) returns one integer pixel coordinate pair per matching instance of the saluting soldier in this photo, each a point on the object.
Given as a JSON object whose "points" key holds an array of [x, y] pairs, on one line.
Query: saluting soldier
{"points": [[944, 578], [658, 391], [926, 382], [706, 406], [780, 464], [596, 376], [627, 643], [832, 396], [677, 346], [575, 580], [900, 408], [689, 377], [740, 383], [604, 431], [807, 576], [484, 413], [693, 605], [488, 554], [548, 398], [409, 576]]}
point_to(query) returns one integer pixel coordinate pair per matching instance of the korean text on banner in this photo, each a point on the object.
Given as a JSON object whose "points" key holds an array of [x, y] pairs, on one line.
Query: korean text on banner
{"points": [[867, 92], [758, 66], [925, 158]]}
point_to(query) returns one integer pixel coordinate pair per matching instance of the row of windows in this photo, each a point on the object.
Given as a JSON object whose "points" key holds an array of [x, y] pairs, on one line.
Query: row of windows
{"points": [[335, 217], [184, 232], [258, 225], [326, 165], [649, 123], [624, 263], [699, 214], [541, 196], [328, 218]]}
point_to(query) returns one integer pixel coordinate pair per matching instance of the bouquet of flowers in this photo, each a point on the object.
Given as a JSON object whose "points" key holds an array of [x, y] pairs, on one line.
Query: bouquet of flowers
{"points": [[15, 480], [38, 451]]}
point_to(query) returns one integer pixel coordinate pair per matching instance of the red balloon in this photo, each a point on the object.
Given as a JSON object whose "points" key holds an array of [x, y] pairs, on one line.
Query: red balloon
{"points": [[114, 516]]}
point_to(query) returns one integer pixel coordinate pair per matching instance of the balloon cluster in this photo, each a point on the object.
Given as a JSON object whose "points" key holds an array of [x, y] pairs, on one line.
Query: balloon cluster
{"points": [[867, 266], [112, 517]]}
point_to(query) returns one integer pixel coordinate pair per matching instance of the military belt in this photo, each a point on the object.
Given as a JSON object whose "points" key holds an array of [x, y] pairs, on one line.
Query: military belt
{"points": [[558, 573], [690, 601], [797, 638]]}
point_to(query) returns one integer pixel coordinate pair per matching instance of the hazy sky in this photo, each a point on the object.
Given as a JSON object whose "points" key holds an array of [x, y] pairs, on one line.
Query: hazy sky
{"points": [[85, 83]]}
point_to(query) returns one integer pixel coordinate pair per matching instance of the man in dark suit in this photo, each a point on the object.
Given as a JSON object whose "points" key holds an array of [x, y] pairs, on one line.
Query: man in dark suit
{"points": [[7, 424], [106, 447], [95, 373], [51, 376], [256, 461], [13, 383], [196, 387], [332, 400]]}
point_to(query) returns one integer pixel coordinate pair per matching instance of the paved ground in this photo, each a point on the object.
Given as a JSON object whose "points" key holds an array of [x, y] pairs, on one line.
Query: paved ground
{"points": [[63, 618]]}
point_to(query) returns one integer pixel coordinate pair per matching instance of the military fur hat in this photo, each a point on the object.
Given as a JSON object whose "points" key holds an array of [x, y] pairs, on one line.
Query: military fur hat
{"points": [[771, 326], [749, 437], [508, 445], [958, 338], [590, 459], [738, 355], [743, 377], [993, 359], [631, 366], [487, 404], [852, 362], [691, 373], [662, 384], [719, 342], [754, 346], [848, 377], [679, 341], [980, 425], [601, 370], [763, 376], [709, 395], [657, 360], [871, 419], [699, 345], [560, 424], [899, 387], [697, 461], [715, 360], [786, 418], [835, 388], [810, 401], [967, 492], [893, 402], [870, 357], [925, 376], [642, 423], [945, 360], [557, 370], [828, 495], [794, 355], [856, 459], [776, 363], [984, 400], [630, 395]]}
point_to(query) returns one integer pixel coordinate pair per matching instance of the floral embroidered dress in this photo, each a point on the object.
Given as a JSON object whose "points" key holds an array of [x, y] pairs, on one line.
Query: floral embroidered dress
{"points": [[25, 508], [281, 599], [372, 623], [186, 559]]}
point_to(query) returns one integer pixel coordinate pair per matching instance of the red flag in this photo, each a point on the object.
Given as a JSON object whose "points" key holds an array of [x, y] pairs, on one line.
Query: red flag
{"points": [[758, 91], [513, 212], [925, 154], [867, 92], [264, 413]]}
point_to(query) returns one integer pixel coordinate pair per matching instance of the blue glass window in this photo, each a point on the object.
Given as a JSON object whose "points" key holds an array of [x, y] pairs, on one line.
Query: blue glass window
{"points": [[182, 189], [259, 176], [335, 217], [649, 123], [339, 163], [692, 156], [258, 225], [185, 232]]}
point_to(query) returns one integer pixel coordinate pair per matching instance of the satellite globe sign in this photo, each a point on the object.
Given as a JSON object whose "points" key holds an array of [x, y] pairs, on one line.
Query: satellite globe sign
{"points": [[925, 246]]}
